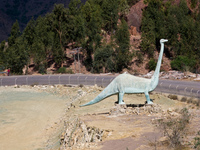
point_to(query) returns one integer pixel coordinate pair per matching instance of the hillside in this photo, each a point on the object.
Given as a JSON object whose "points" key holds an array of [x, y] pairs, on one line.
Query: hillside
{"points": [[23, 11], [13, 10], [113, 37]]}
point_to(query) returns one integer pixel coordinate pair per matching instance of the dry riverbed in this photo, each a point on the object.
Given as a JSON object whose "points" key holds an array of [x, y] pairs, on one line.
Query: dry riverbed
{"points": [[52, 116]]}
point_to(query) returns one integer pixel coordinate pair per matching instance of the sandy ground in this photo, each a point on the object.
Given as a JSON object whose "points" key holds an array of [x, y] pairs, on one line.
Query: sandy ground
{"points": [[33, 117], [133, 132], [26, 116]]}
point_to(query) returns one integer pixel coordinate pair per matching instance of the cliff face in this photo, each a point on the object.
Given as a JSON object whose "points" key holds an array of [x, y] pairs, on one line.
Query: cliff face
{"points": [[23, 10], [135, 15]]}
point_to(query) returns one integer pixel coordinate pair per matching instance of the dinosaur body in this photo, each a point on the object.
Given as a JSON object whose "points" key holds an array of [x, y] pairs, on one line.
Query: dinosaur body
{"points": [[126, 83]]}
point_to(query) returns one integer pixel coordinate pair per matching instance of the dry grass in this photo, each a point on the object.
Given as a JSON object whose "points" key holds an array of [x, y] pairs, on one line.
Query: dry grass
{"points": [[174, 97], [175, 128], [184, 99]]}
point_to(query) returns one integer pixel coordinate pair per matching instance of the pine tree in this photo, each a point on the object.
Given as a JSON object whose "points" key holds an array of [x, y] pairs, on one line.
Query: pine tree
{"points": [[2, 55], [16, 56], [123, 54], [58, 20], [93, 21], [43, 42], [14, 34], [152, 26], [123, 9], [110, 15], [76, 25]]}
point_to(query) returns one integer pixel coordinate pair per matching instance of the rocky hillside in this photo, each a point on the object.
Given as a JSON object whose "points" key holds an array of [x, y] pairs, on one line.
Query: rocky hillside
{"points": [[135, 15], [23, 10]]}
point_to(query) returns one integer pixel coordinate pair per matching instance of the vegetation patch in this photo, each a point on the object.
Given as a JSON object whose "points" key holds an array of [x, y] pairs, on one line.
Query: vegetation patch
{"points": [[174, 97], [175, 128]]}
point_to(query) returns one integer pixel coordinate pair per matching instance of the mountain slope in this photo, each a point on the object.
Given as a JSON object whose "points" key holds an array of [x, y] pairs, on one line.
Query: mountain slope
{"points": [[23, 10]]}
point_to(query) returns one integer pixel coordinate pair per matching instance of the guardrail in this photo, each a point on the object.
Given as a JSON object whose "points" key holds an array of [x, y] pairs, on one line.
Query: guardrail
{"points": [[178, 90], [92, 80], [56, 79]]}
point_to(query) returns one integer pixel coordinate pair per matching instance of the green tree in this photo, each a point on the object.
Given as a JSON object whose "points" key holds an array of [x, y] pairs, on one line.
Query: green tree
{"points": [[76, 24], [58, 20], [152, 26], [93, 21], [132, 2], [110, 15], [42, 43], [29, 32], [103, 59], [14, 34], [2, 55], [183, 63], [194, 3], [28, 36], [123, 8], [172, 27], [182, 31], [123, 55], [176, 23], [16, 56]]}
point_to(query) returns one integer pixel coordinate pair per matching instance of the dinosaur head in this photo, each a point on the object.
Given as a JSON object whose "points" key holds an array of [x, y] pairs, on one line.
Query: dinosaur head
{"points": [[163, 40]]}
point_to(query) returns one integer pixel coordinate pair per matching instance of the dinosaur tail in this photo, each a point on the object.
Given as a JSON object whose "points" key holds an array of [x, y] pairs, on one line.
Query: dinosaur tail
{"points": [[108, 91]]}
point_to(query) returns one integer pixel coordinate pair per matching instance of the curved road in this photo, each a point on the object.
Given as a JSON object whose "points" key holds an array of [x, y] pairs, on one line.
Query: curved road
{"points": [[186, 88]]}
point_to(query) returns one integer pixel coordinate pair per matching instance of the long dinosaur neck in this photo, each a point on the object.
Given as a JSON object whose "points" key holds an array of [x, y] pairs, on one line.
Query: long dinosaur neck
{"points": [[155, 77]]}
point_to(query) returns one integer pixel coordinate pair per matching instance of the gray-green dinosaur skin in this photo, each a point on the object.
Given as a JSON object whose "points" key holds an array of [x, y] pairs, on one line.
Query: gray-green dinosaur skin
{"points": [[126, 83]]}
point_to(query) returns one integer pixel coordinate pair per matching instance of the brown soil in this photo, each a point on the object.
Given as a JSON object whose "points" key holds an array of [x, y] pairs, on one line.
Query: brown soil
{"points": [[43, 123], [130, 131]]}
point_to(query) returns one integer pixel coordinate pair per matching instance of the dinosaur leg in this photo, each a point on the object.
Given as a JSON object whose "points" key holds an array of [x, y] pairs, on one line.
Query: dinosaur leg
{"points": [[148, 98], [120, 98]]}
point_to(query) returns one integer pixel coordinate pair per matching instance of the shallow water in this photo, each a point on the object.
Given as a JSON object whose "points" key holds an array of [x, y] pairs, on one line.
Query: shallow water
{"points": [[25, 116]]}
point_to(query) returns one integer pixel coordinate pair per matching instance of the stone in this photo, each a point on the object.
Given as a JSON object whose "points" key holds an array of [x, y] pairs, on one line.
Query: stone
{"points": [[133, 31], [78, 134]]}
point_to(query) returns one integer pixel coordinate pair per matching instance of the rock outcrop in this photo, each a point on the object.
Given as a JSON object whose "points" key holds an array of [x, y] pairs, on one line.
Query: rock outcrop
{"points": [[77, 135]]}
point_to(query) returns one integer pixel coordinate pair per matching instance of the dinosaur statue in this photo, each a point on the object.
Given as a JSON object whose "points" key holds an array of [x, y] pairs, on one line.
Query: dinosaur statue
{"points": [[127, 83]]}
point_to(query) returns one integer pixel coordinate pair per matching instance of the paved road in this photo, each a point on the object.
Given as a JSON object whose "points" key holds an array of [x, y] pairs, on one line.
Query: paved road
{"points": [[186, 88]]}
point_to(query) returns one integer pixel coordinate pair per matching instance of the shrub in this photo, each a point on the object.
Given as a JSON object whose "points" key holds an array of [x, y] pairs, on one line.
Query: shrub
{"points": [[197, 141], [190, 100], [103, 59], [175, 128], [183, 63], [61, 70], [174, 97], [140, 58], [42, 69], [193, 3], [69, 71], [81, 85], [198, 103], [151, 64], [64, 70], [183, 99]]}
